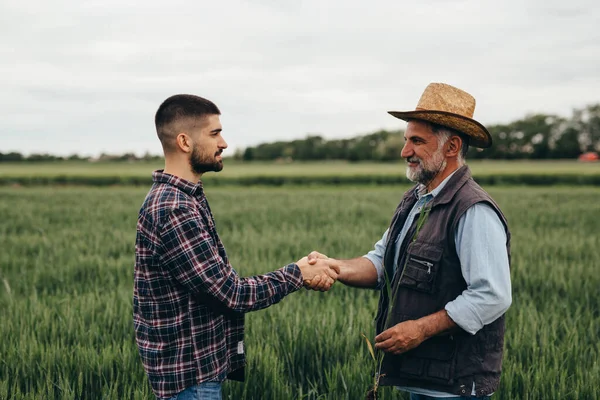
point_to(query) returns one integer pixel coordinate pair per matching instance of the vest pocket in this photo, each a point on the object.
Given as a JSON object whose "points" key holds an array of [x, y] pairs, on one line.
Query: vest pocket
{"points": [[422, 264], [436, 358]]}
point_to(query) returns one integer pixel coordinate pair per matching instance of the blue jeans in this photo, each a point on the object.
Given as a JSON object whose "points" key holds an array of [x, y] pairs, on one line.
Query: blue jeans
{"points": [[203, 391], [423, 397]]}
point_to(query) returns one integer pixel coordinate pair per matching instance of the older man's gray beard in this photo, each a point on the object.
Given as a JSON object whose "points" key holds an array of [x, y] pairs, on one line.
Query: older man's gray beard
{"points": [[424, 173]]}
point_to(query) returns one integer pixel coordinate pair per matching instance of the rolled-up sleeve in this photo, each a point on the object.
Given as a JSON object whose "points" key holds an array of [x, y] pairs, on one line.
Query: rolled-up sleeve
{"points": [[376, 257], [192, 258], [481, 247]]}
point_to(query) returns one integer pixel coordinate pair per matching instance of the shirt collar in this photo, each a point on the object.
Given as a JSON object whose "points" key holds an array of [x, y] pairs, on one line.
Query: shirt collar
{"points": [[422, 189], [191, 188]]}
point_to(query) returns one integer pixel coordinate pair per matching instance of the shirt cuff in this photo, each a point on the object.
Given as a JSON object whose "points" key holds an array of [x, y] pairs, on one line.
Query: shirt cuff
{"points": [[461, 312], [379, 267], [293, 277]]}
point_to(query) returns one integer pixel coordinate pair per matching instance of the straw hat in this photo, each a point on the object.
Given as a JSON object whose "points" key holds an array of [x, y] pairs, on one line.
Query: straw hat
{"points": [[451, 107]]}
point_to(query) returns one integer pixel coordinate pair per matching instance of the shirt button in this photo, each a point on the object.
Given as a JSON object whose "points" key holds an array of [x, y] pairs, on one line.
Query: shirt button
{"points": [[463, 391]]}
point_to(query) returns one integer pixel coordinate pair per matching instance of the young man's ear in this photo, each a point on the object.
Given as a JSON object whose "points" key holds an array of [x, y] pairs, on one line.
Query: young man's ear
{"points": [[184, 143]]}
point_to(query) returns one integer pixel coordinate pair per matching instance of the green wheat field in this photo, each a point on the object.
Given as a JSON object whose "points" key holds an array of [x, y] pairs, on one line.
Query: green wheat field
{"points": [[66, 277], [82, 173], [236, 169]]}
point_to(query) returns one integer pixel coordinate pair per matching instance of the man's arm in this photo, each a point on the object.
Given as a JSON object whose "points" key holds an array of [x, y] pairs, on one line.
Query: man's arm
{"points": [[409, 334], [357, 272], [192, 258], [481, 248], [363, 272]]}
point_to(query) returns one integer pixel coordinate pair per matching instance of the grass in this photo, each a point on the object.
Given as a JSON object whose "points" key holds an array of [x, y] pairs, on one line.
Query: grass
{"points": [[66, 271], [238, 169], [314, 173]]}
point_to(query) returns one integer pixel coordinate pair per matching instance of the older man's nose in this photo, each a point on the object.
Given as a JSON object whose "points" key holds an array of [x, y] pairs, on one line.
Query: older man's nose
{"points": [[407, 150]]}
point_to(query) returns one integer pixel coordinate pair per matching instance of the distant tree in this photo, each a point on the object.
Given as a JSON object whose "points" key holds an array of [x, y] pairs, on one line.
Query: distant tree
{"points": [[536, 132], [11, 157], [42, 158], [148, 157], [248, 154], [238, 154], [75, 157], [391, 148], [587, 122], [567, 145], [126, 157]]}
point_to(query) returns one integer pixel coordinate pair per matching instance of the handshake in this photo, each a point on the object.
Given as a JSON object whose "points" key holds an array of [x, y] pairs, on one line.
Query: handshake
{"points": [[319, 272]]}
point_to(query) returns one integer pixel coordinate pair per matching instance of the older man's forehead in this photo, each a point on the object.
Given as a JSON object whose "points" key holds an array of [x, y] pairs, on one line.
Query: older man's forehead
{"points": [[416, 127]]}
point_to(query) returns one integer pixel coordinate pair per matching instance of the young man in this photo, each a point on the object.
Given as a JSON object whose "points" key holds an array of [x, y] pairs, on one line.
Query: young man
{"points": [[188, 302], [446, 256]]}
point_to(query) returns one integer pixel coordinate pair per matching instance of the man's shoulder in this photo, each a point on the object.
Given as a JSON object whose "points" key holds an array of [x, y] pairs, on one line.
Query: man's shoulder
{"points": [[473, 192], [162, 200], [479, 202]]}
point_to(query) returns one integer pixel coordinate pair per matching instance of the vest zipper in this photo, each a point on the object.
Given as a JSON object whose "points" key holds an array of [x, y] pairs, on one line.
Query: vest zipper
{"points": [[425, 263]]}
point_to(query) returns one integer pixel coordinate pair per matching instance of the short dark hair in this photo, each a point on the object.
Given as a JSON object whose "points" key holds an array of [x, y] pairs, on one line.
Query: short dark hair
{"points": [[177, 108]]}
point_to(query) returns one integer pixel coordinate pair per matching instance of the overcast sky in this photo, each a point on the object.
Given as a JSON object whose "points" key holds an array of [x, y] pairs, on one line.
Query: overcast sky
{"points": [[87, 76]]}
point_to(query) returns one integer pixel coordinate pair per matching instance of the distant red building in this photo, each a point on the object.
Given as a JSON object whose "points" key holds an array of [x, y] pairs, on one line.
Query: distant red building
{"points": [[589, 156]]}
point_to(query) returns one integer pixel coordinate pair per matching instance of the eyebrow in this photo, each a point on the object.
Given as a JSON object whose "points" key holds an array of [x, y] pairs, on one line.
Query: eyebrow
{"points": [[413, 138]]}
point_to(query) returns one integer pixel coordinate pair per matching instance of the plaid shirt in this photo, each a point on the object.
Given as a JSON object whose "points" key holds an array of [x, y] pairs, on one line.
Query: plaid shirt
{"points": [[188, 302]]}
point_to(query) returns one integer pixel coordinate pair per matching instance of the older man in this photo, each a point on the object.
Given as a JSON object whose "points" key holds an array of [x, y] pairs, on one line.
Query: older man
{"points": [[446, 257]]}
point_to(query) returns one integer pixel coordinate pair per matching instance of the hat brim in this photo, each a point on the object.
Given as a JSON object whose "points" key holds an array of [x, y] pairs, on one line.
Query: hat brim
{"points": [[478, 134]]}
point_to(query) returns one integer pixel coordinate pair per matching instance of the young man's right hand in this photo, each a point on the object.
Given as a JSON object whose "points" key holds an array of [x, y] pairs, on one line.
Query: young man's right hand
{"points": [[319, 274]]}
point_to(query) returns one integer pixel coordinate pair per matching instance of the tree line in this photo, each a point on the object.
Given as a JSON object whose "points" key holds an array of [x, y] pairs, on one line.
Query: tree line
{"points": [[536, 136], [45, 157]]}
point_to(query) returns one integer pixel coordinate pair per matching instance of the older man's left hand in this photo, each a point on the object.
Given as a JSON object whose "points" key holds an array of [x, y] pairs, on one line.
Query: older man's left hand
{"points": [[400, 338]]}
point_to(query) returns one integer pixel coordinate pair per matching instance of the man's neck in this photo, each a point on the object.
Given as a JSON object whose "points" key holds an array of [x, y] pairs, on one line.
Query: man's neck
{"points": [[439, 178], [181, 170]]}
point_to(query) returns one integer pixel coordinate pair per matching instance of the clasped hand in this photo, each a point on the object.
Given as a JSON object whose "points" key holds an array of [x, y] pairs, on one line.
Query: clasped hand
{"points": [[318, 271]]}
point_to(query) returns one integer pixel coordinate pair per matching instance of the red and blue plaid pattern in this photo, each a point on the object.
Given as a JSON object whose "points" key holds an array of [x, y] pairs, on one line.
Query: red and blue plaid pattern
{"points": [[188, 302]]}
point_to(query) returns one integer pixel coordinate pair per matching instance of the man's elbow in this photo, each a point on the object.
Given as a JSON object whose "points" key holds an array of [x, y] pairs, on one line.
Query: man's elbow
{"points": [[502, 304], [231, 305]]}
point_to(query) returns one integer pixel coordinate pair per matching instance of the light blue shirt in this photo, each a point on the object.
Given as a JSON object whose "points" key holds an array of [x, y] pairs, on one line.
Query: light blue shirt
{"points": [[481, 247]]}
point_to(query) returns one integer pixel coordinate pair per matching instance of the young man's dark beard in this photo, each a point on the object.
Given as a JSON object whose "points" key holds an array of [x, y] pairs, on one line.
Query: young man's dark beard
{"points": [[202, 163]]}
